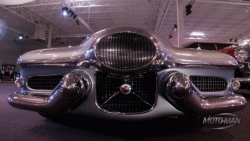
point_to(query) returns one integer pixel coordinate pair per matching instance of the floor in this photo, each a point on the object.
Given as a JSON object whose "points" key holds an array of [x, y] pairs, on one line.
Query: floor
{"points": [[24, 125]]}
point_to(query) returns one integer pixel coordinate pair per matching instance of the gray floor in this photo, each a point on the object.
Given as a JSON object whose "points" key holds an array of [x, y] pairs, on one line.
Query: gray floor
{"points": [[18, 124]]}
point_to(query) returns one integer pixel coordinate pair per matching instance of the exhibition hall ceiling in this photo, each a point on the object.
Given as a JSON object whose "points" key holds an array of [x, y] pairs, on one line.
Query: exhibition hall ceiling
{"points": [[210, 20]]}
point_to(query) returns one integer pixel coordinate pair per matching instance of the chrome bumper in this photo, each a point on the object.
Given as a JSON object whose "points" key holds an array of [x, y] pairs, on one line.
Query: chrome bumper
{"points": [[180, 91], [245, 80], [66, 94]]}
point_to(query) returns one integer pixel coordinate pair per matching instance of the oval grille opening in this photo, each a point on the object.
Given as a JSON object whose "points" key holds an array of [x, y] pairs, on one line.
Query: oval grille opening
{"points": [[208, 83], [44, 82], [125, 51]]}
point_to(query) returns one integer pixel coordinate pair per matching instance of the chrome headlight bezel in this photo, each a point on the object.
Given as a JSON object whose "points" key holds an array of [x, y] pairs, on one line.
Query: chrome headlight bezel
{"points": [[241, 55]]}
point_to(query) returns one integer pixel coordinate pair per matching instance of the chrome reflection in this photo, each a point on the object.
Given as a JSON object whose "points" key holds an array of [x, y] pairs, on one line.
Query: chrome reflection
{"points": [[179, 90], [71, 89], [125, 51]]}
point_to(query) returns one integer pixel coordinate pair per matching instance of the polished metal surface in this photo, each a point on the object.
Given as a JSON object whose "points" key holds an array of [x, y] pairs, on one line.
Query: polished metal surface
{"points": [[178, 85], [125, 51], [72, 87], [126, 69], [179, 90], [125, 89], [201, 58], [74, 55]]}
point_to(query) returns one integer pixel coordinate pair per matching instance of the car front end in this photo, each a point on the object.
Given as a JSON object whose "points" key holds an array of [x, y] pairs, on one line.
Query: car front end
{"points": [[127, 73]]}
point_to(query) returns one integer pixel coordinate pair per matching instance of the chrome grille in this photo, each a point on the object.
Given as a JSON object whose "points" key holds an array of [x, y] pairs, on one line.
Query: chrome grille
{"points": [[125, 51], [141, 98], [208, 83], [44, 82]]}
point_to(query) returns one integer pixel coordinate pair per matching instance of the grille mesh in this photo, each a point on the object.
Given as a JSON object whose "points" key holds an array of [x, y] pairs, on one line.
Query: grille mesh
{"points": [[44, 82], [144, 86], [209, 84], [125, 51]]}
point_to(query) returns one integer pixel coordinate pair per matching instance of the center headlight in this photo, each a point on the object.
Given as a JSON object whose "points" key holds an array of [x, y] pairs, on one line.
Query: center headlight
{"points": [[241, 54]]}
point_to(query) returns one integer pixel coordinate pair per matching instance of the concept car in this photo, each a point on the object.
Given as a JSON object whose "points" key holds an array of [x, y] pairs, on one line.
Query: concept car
{"points": [[129, 74]]}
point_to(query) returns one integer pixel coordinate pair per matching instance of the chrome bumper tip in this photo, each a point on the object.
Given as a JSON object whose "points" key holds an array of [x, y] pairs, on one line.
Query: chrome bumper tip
{"points": [[70, 90], [189, 101]]}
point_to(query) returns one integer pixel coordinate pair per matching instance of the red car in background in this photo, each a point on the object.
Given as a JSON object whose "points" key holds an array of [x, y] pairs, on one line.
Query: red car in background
{"points": [[8, 72], [240, 53]]}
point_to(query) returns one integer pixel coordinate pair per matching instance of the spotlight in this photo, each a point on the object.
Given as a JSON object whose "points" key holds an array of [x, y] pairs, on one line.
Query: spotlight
{"points": [[20, 37], [188, 9], [65, 11]]}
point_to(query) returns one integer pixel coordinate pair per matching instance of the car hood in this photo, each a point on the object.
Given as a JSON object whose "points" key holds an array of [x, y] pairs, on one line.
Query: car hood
{"points": [[201, 57]]}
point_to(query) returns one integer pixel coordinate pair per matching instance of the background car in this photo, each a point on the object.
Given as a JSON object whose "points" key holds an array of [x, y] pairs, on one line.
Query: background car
{"points": [[8, 72], [240, 53]]}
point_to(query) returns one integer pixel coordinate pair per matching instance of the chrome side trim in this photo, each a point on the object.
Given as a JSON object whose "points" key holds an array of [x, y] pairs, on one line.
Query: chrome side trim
{"points": [[179, 90], [66, 94]]}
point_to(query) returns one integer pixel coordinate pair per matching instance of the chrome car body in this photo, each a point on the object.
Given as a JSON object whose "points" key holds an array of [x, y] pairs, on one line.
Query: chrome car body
{"points": [[240, 53], [126, 73]]}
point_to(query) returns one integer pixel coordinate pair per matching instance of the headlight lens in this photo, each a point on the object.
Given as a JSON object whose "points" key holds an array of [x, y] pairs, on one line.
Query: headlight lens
{"points": [[235, 85], [241, 54]]}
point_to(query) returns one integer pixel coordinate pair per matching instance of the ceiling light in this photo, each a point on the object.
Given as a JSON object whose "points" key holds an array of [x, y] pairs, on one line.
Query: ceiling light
{"points": [[65, 11], [20, 37], [197, 34]]}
